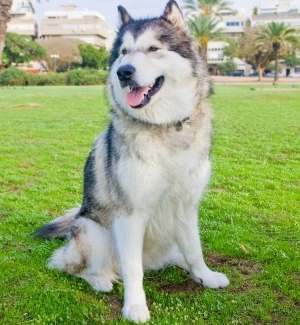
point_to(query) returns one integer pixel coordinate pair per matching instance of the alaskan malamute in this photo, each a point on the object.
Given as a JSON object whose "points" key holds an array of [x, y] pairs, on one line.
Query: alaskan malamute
{"points": [[146, 173]]}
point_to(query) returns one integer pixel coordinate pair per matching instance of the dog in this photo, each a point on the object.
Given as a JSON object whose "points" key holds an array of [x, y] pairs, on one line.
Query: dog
{"points": [[146, 173]]}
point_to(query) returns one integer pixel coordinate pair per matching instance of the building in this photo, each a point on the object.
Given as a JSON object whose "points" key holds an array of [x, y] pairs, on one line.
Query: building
{"points": [[215, 56], [22, 19], [232, 23], [215, 52], [86, 26], [278, 11]]}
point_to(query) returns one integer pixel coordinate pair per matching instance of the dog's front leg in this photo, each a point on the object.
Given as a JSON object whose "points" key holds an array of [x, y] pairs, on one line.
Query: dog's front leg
{"points": [[128, 234], [189, 242]]}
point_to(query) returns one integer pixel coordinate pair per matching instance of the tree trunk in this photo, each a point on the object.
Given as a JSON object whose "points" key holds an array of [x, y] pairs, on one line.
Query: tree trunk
{"points": [[205, 50], [276, 68], [5, 6], [260, 73]]}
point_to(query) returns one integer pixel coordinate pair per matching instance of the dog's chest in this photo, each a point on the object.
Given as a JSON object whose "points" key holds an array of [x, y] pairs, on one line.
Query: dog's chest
{"points": [[157, 167]]}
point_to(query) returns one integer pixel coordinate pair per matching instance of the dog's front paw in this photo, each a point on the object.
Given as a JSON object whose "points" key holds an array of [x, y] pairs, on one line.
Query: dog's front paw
{"points": [[136, 313], [213, 280]]}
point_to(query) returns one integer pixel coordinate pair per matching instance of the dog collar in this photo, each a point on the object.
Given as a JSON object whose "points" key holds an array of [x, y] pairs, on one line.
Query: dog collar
{"points": [[179, 124], [187, 120]]}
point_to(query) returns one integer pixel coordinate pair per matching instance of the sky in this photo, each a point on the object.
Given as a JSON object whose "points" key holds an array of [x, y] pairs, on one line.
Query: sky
{"points": [[137, 8]]}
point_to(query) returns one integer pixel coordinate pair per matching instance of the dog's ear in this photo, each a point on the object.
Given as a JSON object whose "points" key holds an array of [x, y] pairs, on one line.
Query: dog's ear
{"points": [[124, 17], [173, 14]]}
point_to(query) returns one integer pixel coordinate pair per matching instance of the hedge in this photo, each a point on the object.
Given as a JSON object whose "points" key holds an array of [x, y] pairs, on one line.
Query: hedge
{"points": [[15, 77], [86, 77]]}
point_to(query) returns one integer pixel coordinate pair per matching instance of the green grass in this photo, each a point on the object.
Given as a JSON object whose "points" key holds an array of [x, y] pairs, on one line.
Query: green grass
{"points": [[250, 215]]}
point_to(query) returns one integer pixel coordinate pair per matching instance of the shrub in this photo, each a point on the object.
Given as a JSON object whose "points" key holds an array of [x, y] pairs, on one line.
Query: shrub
{"points": [[92, 57], [50, 79], [19, 49], [227, 68], [86, 77], [13, 77]]}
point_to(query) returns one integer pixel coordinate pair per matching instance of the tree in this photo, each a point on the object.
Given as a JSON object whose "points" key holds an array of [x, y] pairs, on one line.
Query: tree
{"points": [[204, 29], [291, 60], [20, 49], [280, 39], [232, 49], [246, 48], [93, 57], [209, 8], [227, 68], [255, 11], [5, 6]]}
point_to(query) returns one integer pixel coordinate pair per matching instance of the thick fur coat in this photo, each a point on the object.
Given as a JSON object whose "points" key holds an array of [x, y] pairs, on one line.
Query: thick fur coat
{"points": [[147, 172]]}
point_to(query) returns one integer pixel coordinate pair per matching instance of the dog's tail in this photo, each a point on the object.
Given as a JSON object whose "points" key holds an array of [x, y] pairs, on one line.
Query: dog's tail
{"points": [[59, 227]]}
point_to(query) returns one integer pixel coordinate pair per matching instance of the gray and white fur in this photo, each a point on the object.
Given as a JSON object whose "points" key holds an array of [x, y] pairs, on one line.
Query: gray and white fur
{"points": [[147, 172]]}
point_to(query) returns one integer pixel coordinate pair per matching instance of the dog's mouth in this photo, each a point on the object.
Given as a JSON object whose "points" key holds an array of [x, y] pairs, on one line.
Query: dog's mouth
{"points": [[139, 97]]}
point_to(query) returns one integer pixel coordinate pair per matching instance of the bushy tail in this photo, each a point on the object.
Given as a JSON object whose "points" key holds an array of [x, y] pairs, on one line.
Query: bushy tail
{"points": [[59, 227]]}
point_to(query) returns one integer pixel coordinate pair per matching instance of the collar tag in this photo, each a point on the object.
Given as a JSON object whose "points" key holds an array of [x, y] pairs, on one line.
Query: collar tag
{"points": [[178, 126]]}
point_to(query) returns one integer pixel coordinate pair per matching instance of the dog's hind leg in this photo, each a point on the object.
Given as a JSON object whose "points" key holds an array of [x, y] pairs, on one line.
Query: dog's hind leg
{"points": [[88, 255], [189, 243]]}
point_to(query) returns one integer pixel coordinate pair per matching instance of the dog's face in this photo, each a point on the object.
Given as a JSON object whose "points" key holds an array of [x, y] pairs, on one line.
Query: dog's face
{"points": [[154, 68]]}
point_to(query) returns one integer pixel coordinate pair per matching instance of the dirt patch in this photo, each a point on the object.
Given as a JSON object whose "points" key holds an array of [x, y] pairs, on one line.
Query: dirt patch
{"points": [[28, 105], [296, 276], [25, 165], [282, 299], [14, 188], [187, 286], [115, 304], [278, 320], [243, 266], [218, 190], [17, 188], [246, 286]]}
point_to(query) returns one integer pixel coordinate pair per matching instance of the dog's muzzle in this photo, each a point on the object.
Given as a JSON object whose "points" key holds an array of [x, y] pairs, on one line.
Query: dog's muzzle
{"points": [[138, 96], [126, 75]]}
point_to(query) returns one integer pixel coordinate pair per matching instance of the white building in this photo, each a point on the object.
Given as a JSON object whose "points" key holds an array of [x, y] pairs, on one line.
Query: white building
{"points": [[86, 26], [215, 52], [287, 11], [232, 23], [22, 19], [277, 6]]}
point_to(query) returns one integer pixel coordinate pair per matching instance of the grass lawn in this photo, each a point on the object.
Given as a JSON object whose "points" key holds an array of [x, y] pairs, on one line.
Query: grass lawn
{"points": [[250, 215]]}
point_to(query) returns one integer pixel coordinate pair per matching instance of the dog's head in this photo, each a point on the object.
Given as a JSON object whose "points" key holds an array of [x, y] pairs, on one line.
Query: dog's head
{"points": [[155, 72]]}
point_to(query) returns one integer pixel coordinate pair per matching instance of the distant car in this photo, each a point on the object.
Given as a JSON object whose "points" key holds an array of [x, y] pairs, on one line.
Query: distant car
{"points": [[253, 74], [238, 73], [270, 75]]}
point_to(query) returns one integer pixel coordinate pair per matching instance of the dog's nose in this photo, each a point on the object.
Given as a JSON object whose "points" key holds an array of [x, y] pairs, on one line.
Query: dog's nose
{"points": [[125, 72]]}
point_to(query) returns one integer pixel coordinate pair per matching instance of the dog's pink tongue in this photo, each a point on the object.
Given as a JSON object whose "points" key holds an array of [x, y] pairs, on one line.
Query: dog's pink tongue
{"points": [[136, 96]]}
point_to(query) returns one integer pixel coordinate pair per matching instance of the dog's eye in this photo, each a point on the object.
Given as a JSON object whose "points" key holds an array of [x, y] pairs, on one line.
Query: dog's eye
{"points": [[124, 51], [153, 49]]}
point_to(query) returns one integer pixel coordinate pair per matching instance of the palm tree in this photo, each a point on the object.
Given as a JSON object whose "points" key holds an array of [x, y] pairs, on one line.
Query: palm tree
{"points": [[206, 7], [5, 6], [279, 38], [204, 29]]}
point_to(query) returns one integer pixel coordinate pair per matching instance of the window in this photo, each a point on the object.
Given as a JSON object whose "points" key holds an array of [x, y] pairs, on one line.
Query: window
{"points": [[232, 23]]}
